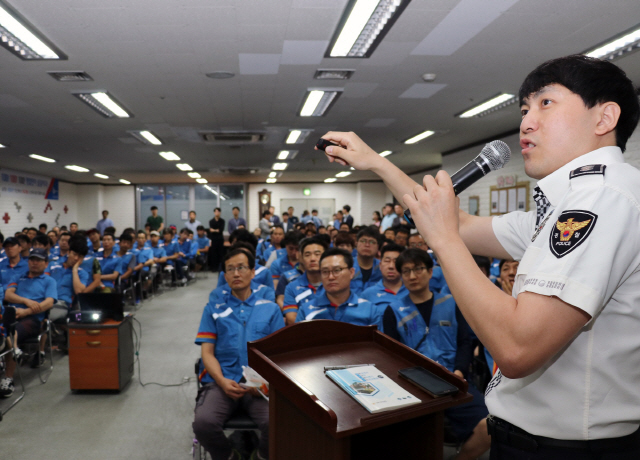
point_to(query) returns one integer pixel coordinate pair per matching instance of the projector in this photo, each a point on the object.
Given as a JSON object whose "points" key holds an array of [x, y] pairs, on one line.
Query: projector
{"points": [[89, 317]]}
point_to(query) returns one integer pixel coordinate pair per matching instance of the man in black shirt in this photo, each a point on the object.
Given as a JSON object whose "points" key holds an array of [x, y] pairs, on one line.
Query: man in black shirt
{"points": [[216, 235]]}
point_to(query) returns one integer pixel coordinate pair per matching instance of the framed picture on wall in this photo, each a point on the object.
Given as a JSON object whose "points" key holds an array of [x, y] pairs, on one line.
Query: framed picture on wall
{"points": [[509, 199]]}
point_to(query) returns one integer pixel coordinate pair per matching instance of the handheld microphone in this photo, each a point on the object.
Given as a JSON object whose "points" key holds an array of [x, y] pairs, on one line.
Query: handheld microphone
{"points": [[493, 156]]}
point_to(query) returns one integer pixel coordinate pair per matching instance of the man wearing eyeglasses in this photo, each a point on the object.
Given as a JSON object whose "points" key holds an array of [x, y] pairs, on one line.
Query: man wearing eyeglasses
{"points": [[224, 331], [437, 283], [432, 324], [387, 290], [367, 267], [338, 302]]}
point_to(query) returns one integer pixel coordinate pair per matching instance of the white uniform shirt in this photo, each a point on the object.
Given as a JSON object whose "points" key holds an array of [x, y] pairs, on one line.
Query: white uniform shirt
{"points": [[591, 389]]}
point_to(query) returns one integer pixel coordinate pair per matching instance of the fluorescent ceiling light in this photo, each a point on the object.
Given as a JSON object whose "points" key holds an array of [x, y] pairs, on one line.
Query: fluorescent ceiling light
{"points": [[419, 137], [331, 179], [103, 103], [271, 181], [343, 174], [280, 166], [22, 39], [76, 168], [146, 137], [41, 158], [287, 154], [318, 102], [101, 176], [618, 47], [495, 103], [194, 175], [386, 153], [202, 181], [124, 181], [170, 156], [366, 23], [273, 174], [3, 146], [184, 167], [298, 136]]}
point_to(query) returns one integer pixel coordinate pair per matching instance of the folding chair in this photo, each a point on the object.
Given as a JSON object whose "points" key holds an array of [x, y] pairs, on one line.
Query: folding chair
{"points": [[34, 342]]}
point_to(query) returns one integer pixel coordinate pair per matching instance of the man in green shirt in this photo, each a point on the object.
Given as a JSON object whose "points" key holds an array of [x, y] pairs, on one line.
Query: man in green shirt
{"points": [[154, 220]]}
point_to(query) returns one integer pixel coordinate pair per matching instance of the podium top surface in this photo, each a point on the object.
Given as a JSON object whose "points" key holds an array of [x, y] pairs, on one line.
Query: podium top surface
{"points": [[293, 361]]}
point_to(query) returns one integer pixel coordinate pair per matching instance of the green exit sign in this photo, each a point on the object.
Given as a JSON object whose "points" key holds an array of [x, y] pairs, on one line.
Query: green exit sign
{"points": [[306, 191]]}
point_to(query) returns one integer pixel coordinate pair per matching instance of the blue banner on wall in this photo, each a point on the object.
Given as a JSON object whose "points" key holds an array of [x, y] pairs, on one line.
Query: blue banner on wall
{"points": [[52, 191]]}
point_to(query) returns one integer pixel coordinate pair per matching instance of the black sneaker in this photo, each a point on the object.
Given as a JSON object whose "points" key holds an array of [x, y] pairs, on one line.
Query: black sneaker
{"points": [[37, 360], [6, 387]]}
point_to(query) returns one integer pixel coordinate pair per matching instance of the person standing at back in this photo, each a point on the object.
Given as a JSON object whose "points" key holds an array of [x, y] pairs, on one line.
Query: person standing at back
{"points": [[155, 221], [216, 235]]}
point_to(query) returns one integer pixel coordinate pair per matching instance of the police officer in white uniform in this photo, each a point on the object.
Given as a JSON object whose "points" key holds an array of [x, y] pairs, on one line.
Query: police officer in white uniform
{"points": [[567, 341]]}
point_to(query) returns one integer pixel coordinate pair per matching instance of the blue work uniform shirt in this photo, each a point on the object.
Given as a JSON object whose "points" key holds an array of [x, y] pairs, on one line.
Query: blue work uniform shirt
{"points": [[185, 248], [36, 288], [109, 265], [281, 265], [358, 286], [8, 272], [158, 251], [299, 292], [144, 255], [261, 292], [355, 311], [64, 280], [170, 249], [230, 324], [382, 297]]}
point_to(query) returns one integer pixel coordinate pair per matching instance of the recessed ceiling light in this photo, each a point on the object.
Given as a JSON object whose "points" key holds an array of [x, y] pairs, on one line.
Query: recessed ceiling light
{"points": [[298, 136], [103, 103], [3, 146], [123, 181], [364, 25], [272, 181], [101, 176], [273, 174], [184, 167], [343, 174], [386, 153], [146, 137], [495, 103], [287, 154], [331, 179], [318, 102], [22, 39], [419, 137], [170, 156], [194, 175], [202, 181], [76, 168], [41, 158], [280, 166], [617, 47]]}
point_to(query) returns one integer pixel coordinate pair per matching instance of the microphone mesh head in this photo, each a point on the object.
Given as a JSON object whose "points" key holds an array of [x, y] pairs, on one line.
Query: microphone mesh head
{"points": [[497, 154]]}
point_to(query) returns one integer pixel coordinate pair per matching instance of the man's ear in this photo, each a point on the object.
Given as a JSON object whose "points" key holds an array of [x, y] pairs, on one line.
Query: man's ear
{"points": [[609, 114], [352, 270]]}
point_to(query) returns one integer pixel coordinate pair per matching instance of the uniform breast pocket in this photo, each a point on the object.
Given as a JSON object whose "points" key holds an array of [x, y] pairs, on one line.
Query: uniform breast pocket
{"points": [[228, 337], [260, 329]]}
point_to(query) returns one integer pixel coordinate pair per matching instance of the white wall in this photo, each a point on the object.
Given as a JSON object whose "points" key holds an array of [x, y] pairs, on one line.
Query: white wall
{"points": [[371, 196], [119, 200]]}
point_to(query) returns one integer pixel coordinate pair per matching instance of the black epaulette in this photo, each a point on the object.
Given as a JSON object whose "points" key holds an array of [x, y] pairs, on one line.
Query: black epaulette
{"points": [[587, 171]]}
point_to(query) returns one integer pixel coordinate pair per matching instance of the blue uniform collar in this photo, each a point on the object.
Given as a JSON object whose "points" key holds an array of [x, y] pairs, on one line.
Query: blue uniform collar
{"points": [[323, 301]]}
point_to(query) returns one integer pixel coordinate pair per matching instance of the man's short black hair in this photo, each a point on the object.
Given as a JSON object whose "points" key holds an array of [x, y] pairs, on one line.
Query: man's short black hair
{"points": [[111, 230], [217, 209], [111, 235], [347, 208], [242, 234], [291, 238], [43, 240], [313, 240], [192, 211], [78, 244], [324, 237], [238, 251], [43, 225], [348, 258], [184, 230], [154, 208], [235, 207], [596, 81], [371, 232], [483, 263], [189, 231], [266, 213], [23, 238], [167, 231], [126, 237], [200, 227], [343, 238], [32, 228], [141, 232], [402, 229], [64, 234], [389, 204], [391, 247], [277, 226], [244, 245], [73, 223], [504, 261], [413, 256], [285, 214]]}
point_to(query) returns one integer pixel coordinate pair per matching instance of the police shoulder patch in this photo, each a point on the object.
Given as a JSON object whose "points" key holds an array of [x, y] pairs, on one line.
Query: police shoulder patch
{"points": [[570, 231], [587, 171]]}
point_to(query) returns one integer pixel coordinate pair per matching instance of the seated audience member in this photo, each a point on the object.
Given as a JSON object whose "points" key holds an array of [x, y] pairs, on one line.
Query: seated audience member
{"points": [[13, 265], [109, 262], [432, 324], [43, 228], [337, 301], [42, 241], [437, 283], [25, 245], [96, 245], [239, 314], [32, 232], [402, 235], [144, 260], [344, 227], [367, 267], [63, 247], [344, 241], [390, 287], [203, 245], [269, 251], [315, 219], [390, 234], [184, 246], [73, 228], [337, 221], [173, 254], [53, 237], [127, 258], [259, 290], [32, 294], [289, 260], [262, 273], [70, 278], [159, 254], [305, 287]]}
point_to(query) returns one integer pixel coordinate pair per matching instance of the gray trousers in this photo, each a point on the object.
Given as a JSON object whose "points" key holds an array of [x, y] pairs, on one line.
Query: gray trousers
{"points": [[214, 408]]}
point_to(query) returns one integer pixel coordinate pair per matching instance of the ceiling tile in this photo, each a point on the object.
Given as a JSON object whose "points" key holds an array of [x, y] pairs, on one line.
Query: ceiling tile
{"points": [[259, 64], [303, 52], [422, 90]]}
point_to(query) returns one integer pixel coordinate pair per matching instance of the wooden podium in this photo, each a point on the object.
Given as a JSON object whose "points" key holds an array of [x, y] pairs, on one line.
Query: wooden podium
{"points": [[311, 417]]}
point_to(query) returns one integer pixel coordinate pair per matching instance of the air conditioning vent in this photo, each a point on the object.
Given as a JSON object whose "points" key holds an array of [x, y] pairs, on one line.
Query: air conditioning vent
{"points": [[232, 137], [71, 76], [333, 74]]}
